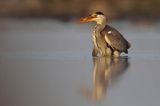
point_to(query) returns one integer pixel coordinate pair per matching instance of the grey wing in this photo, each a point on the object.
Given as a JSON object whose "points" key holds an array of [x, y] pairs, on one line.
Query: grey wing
{"points": [[115, 39]]}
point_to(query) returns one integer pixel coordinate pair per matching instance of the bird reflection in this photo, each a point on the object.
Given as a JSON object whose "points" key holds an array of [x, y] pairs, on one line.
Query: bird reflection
{"points": [[105, 71]]}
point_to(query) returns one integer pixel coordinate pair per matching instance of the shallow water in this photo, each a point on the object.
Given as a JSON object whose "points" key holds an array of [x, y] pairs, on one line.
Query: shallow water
{"points": [[49, 63]]}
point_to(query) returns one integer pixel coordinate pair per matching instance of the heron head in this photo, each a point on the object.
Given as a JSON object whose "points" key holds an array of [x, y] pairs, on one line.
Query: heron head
{"points": [[98, 17]]}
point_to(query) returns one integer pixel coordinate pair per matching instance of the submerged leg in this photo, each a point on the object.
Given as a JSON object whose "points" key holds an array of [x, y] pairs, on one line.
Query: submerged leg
{"points": [[116, 54], [108, 51]]}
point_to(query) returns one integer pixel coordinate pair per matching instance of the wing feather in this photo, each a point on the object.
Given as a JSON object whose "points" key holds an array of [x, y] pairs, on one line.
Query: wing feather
{"points": [[115, 39]]}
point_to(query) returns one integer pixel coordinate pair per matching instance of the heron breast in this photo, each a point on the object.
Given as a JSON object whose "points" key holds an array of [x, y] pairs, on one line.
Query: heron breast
{"points": [[94, 41]]}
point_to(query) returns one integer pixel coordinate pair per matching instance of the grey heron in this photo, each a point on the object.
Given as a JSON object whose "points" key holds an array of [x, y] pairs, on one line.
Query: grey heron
{"points": [[106, 39]]}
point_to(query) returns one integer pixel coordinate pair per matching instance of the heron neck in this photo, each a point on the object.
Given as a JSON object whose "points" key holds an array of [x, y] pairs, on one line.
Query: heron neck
{"points": [[101, 23], [98, 28]]}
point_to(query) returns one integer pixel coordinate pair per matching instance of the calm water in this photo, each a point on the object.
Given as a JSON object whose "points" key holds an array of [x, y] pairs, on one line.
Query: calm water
{"points": [[49, 63]]}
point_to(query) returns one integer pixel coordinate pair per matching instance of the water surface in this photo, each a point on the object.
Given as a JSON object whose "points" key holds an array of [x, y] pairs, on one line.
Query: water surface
{"points": [[49, 63]]}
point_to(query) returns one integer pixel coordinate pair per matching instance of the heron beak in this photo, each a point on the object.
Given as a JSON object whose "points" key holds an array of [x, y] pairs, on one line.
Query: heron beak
{"points": [[87, 19]]}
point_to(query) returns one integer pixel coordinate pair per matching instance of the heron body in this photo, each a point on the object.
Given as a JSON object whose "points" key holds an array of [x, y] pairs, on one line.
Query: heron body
{"points": [[115, 40], [100, 46], [106, 39]]}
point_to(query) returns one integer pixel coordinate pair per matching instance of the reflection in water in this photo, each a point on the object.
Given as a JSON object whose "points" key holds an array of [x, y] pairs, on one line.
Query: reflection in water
{"points": [[105, 71]]}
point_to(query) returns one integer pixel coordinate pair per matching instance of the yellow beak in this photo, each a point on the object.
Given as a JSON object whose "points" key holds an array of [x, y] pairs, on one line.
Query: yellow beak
{"points": [[87, 19]]}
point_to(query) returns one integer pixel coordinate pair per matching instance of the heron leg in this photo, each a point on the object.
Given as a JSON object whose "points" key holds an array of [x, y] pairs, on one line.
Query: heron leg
{"points": [[108, 51], [116, 54]]}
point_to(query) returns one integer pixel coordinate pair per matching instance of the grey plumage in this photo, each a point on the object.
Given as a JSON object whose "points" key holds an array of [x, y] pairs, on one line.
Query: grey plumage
{"points": [[118, 42]]}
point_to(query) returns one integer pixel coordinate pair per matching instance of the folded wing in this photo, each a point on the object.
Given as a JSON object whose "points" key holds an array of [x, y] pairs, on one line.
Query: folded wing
{"points": [[115, 40]]}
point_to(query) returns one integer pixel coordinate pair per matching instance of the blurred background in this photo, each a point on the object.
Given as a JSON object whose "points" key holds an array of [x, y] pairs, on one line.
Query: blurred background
{"points": [[68, 9]]}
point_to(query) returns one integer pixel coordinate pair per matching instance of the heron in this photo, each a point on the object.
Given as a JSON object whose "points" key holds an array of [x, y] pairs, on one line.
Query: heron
{"points": [[107, 40]]}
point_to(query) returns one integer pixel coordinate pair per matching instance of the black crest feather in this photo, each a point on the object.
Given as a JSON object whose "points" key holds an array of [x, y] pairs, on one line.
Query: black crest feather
{"points": [[99, 13]]}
